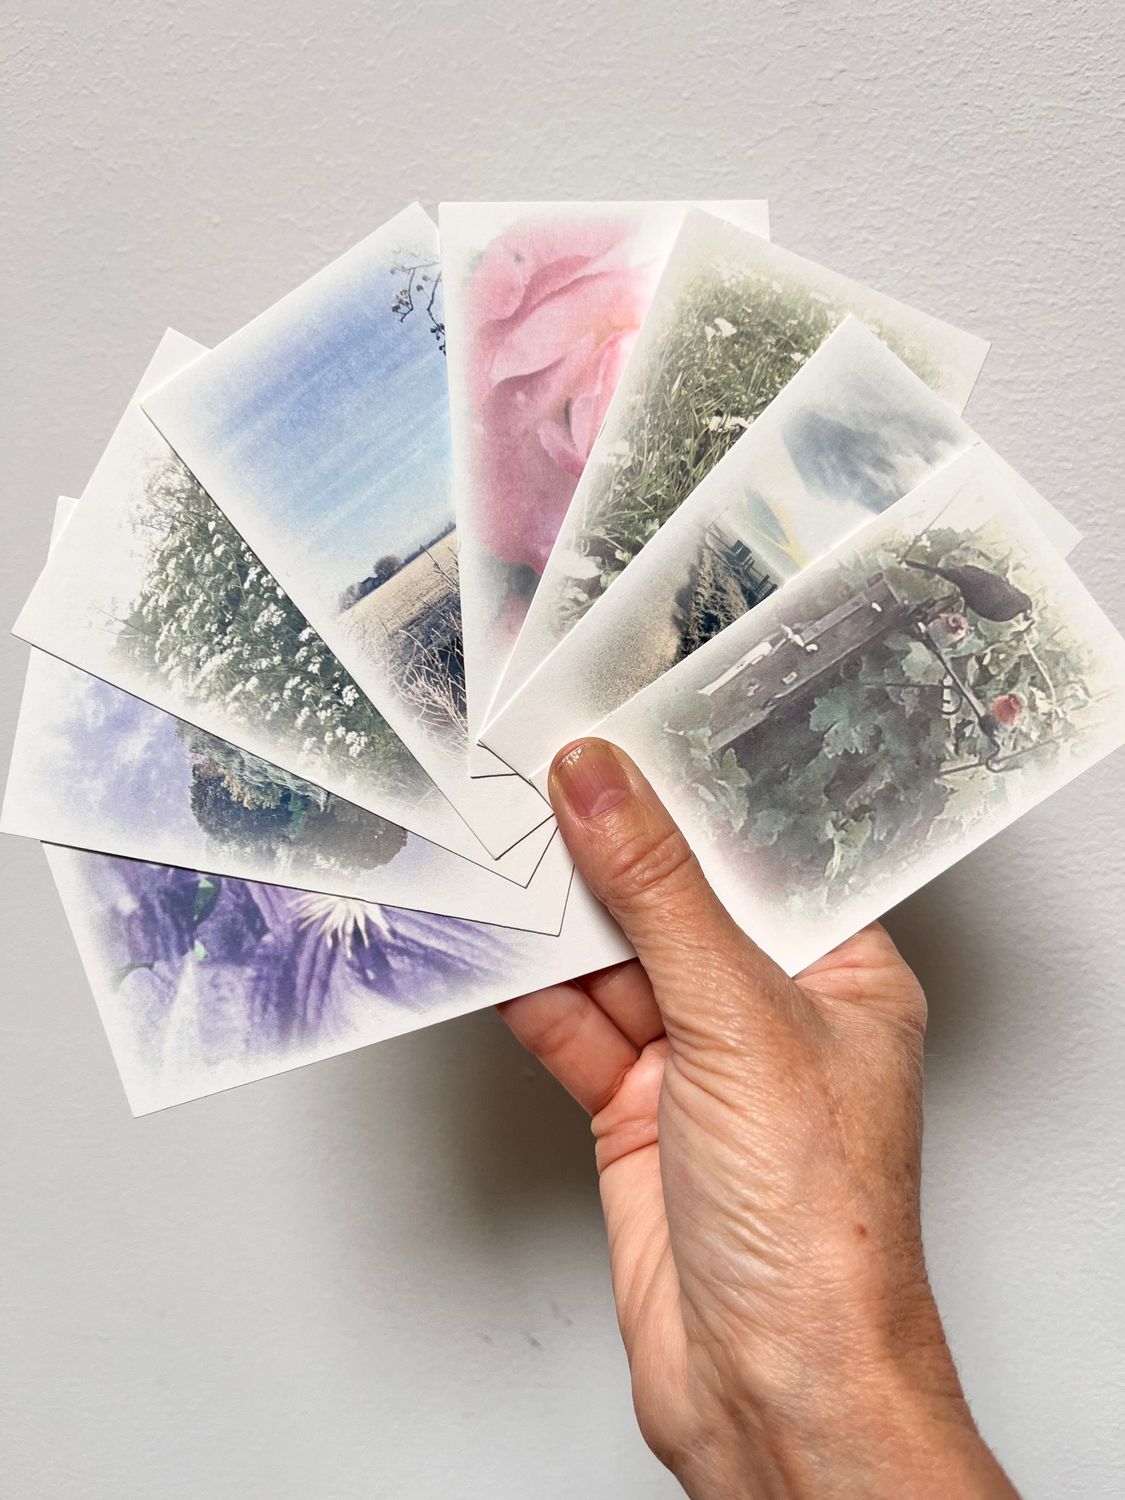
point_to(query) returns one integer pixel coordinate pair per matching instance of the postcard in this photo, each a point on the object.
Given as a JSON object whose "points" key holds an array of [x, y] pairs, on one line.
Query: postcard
{"points": [[96, 768], [321, 430], [853, 431], [151, 588], [882, 714], [543, 302], [204, 983], [732, 320]]}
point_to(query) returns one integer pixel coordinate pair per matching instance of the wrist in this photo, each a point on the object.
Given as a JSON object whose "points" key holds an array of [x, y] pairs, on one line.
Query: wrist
{"points": [[880, 1413], [883, 1436]]}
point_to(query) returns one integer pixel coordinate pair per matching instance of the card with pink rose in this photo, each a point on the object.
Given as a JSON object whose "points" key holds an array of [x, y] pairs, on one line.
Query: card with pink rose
{"points": [[542, 304]]}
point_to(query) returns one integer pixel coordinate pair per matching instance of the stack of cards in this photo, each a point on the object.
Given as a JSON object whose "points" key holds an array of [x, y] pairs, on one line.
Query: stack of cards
{"points": [[340, 587]]}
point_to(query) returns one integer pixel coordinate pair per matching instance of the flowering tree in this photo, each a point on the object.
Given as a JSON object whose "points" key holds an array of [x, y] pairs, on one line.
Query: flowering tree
{"points": [[420, 288], [211, 621], [242, 802]]}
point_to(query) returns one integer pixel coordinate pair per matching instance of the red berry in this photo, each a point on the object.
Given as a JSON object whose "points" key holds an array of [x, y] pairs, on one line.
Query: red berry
{"points": [[1007, 708]]}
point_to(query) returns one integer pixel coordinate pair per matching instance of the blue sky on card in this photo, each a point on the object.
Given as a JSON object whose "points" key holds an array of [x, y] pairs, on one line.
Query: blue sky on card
{"points": [[337, 421]]}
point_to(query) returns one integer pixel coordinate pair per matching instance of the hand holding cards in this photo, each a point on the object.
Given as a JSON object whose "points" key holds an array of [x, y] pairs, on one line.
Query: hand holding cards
{"points": [[340, 588]]}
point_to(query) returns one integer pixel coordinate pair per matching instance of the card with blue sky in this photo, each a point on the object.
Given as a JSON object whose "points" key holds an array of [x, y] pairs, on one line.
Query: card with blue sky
{"points": [[884, 713], [204, 983], [150, 588], [731, 321], [542, 304], [321, 430], [851, 433], [97, 768]]}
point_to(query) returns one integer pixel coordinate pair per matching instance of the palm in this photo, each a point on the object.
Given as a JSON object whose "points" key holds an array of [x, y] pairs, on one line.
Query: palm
{"points": [[604, 1039]]}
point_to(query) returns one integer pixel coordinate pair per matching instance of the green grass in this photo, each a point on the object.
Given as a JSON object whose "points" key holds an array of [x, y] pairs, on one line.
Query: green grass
{"points": [[727, 346]]}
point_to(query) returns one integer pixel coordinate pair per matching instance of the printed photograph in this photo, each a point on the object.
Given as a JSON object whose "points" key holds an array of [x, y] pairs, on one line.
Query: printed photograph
{"points": [[209, 620], [852, 432], [883, 714], [543, 303], [321, 430], [151, 588], [154, 787], [732, 320], [158, 788], [204, 982], [408, 610]]}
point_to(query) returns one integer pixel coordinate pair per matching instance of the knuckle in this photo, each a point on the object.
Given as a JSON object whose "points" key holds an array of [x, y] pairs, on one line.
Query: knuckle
{"points": [[553, 1031], [645, 870]]}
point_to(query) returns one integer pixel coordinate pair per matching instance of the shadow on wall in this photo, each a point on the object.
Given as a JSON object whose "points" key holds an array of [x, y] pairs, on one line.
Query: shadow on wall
{"points": [[949, 945], [967, 956], [452, 1146], [517, 1138], [454, 1143]]}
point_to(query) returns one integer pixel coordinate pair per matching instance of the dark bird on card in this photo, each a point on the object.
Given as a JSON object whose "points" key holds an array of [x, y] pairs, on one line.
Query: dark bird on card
{"points": [[985, 593]]}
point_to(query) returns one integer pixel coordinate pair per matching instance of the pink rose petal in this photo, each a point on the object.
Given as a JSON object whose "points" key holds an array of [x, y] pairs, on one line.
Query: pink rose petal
{"points": [[554, 311]]}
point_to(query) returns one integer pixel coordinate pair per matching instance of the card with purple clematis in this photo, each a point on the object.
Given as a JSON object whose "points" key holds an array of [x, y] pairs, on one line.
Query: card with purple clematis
{"points": [[205, 982], [542, 304]]}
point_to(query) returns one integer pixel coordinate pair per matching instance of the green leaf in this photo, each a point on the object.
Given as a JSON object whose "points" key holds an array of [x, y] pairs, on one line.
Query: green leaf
{"points": [[767, 826], [843, 714], [206, 894]]}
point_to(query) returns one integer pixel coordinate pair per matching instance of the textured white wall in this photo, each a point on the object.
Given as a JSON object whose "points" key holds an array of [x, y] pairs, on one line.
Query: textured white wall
{"points": [[384, 1276]]}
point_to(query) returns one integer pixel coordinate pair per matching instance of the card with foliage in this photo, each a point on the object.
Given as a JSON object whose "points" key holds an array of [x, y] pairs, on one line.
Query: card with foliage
{"points": [[150, 588], [852, 432], [884, 713], [153, 787], [542, 304], [321, 431], [732, 320], [204, 982]]}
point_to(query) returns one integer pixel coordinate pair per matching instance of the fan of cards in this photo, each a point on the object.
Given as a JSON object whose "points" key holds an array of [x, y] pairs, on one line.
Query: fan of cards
{"points": [[339, 588]]}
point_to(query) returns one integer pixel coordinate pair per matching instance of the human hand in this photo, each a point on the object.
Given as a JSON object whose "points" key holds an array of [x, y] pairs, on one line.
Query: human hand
{"points": [[758, 1145]]}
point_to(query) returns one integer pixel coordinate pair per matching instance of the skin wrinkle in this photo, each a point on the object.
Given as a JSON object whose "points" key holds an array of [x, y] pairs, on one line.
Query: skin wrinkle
{"points": [[626, 996], [654, 876], [615, 1087], [759, 1168]]}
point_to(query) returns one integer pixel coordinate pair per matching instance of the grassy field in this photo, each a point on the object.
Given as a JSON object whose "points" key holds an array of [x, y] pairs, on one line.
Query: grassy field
{"points": [[413, 624]]}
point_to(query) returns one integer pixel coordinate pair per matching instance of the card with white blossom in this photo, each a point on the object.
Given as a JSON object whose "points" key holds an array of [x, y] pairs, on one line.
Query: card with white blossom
{"points": [[321, 430], [97, 768], [150, 588]]}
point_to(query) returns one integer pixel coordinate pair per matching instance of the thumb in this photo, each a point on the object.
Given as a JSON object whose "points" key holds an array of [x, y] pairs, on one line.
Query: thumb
{"points": [[710, 980]]}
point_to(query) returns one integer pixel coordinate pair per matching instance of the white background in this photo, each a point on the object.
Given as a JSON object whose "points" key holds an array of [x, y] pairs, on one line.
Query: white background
{"points": [[383, 1276]]}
